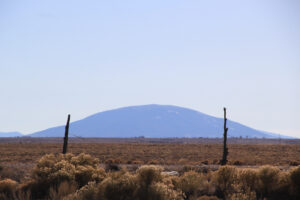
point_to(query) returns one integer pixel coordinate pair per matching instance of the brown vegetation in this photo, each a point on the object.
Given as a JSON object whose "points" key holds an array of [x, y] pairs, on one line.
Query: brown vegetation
{"points": [[157, 153], [112, 170], [69, 177]]}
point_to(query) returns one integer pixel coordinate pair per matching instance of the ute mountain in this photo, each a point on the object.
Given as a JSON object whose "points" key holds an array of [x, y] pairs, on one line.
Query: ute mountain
{"points": [[157, 121]]}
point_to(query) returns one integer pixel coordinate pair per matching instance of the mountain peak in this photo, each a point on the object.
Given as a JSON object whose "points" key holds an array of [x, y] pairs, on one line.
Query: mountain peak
{"points": [[153, 120]]}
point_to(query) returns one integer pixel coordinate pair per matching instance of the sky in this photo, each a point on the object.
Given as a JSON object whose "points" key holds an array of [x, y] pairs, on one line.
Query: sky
{"points": [[83, 57]]}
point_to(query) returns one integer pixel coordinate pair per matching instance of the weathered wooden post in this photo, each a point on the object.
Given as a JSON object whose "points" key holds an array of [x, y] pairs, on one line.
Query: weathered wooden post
{"points": [[225, 149], [65, 147]]}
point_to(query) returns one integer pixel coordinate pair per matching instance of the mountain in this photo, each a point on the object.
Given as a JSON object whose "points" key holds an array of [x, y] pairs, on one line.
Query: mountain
{"points": [[11, 134], [153, 121]]}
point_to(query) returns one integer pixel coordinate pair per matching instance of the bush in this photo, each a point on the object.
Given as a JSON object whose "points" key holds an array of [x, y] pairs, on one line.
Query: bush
{"points": [[57, 169], [147, 177], [150, 185], [149, 174], [84, 174], [7, 188], [268, 181], [83, 160], [225, 178], [120, 185], [69, 177], [247, 179], [190, 183], [283, 189], [205, 162], [293, 163], [111, 167], [87, 192], [53, 170], [295, 181], [64, 189], [147, 184], [98, 175], [160, 191], [237, 162]]}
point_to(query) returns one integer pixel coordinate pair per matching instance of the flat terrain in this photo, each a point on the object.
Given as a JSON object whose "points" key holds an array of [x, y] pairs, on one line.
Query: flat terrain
{"points": [[156, 151], [18, 156]]}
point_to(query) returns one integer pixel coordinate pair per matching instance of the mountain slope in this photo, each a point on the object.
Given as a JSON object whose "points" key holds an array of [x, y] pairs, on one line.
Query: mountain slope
{"points": [[152, 121], [11, 134]]}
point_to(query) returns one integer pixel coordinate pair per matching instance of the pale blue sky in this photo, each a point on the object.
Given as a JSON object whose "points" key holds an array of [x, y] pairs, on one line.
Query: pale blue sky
{"points": [[83, 57]]}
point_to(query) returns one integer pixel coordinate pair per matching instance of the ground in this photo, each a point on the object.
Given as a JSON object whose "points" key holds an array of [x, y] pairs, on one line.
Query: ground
{"points": [[19, 155]]}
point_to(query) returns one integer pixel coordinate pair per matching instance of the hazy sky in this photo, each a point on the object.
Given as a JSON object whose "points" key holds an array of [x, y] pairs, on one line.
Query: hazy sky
{"points": [[83, 57]]}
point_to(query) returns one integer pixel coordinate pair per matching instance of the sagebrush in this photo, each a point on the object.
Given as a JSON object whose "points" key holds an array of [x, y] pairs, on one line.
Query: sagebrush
{"points": [[70, 177]]}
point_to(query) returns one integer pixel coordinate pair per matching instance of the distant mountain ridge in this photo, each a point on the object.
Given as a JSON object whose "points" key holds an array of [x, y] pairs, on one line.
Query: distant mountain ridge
{"points": [[157, 121], [11, 134]]}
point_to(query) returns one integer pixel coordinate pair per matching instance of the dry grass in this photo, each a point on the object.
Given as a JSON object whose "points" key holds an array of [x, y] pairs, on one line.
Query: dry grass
{"points": [[55, 177], [19, 157], [158, 153], [28, 171]]}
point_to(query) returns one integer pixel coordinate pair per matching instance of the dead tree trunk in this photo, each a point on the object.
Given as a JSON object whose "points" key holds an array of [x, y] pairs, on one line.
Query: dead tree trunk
{"points": [[65, 147], [225, 149]]}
